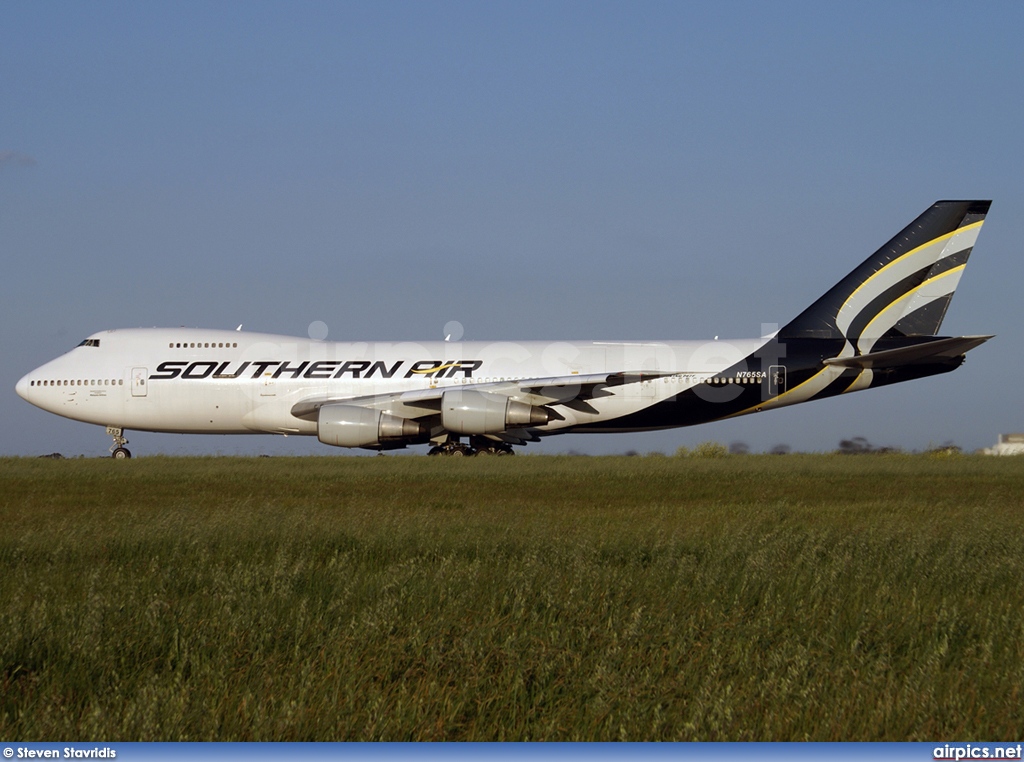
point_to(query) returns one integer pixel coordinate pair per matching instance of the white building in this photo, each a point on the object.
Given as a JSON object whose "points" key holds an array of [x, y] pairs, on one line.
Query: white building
{"points": [[1008, 444]]}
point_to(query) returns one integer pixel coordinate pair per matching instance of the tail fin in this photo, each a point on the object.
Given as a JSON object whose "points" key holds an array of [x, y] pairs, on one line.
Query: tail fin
{"points": [[904, 288]]}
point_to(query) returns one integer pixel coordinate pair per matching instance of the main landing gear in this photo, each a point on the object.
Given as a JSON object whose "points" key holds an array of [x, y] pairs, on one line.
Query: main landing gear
{"points": [[118, 451], [452, 449], [477, 446]]}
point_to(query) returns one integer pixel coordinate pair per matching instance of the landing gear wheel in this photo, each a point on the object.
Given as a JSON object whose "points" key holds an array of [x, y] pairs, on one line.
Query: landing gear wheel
{"points": [[452, 449], [486, 446], [118, 451]]}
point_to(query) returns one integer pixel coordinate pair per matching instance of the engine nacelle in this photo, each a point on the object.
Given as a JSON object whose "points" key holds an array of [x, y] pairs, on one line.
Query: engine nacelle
{"points": [[468, 411], [354, 426]]}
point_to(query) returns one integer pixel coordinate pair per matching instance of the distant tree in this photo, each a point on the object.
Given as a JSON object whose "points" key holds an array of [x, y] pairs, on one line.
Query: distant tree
{"points": [[855, 446], [710, 450], [739, 448], [682, 452], [780, 449]]}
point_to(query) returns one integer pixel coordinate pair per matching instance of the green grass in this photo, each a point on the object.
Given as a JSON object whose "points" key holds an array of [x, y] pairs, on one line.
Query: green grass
{"points": [[547, 598]]}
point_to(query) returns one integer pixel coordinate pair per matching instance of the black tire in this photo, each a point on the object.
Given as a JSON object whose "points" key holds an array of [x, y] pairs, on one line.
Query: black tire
{"points": [[121, 453]]}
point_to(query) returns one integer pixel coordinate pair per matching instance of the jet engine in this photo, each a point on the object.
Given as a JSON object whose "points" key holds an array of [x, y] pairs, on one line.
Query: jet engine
{"points": [[354, 426], [468, 411]]}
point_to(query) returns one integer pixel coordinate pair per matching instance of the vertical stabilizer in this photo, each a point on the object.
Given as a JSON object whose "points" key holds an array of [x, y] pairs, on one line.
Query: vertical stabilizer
{"points": [[904, 288]]}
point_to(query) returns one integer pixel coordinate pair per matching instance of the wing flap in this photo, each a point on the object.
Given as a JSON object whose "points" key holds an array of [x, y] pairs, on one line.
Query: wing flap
{"points": [[555, 390]]}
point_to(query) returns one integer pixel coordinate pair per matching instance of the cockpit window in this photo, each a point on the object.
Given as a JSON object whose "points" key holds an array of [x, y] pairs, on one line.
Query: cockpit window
{"points": [[90, 343]]}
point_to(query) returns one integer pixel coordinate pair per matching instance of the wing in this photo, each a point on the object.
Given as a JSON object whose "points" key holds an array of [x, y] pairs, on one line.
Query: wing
{"points": [[555, 390], [525, 403]]}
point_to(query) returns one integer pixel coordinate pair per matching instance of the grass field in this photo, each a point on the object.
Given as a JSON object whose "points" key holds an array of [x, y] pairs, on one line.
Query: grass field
{"points": [[550, 598]]}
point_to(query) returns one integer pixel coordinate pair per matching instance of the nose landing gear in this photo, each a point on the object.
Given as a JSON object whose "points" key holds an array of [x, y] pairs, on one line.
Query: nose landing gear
{"points": [[118, 451]]}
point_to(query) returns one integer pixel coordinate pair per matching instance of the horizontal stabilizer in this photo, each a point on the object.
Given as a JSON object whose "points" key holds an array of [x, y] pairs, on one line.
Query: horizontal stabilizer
{"points": [[936, 349]]}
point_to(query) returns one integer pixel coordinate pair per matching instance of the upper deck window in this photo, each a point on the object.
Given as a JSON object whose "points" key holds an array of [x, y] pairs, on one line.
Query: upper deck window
{"points": [[90, 343]]}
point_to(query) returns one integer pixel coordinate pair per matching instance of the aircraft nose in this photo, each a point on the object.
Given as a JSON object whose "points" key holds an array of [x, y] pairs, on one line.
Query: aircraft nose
{"points": [[22, 387]]}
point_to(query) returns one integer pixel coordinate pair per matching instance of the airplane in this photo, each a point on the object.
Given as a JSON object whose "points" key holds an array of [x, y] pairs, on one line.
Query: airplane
{"points": [[877, 326]]}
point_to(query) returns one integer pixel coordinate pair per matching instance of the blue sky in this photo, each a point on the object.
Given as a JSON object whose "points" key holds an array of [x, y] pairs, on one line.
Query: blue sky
{"points": [[552, 170]]}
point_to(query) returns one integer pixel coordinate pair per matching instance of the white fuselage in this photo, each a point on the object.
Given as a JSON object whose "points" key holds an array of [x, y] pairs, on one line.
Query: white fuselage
{"points": [[189, 380]]}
